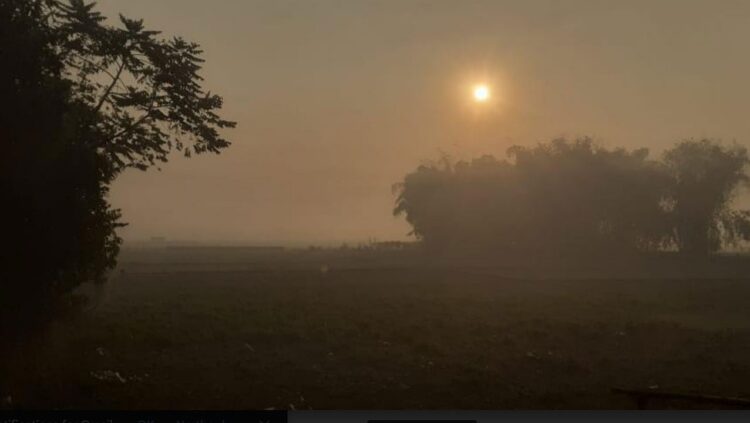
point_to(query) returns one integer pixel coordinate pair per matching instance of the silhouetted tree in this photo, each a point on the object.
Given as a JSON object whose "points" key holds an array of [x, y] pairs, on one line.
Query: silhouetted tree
{"points": [[426, 198], [559, 196], [585, 197], [705, 178], [80, 101]]}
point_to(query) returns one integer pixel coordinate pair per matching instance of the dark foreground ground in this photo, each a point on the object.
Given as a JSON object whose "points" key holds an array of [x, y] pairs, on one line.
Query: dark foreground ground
{"points": [[225, 328]]}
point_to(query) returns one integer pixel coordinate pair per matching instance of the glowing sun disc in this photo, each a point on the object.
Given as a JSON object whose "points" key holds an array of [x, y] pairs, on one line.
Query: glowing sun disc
{"points": [[481, 93]]}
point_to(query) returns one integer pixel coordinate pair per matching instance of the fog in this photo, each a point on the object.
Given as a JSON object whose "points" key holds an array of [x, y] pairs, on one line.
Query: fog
{"points": [[337, 100]]}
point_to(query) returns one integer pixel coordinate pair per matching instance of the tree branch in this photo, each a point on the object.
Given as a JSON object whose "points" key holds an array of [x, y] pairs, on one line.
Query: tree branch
{"points": [[130, 127], [139, 121], [99, 68], [110, 87]]}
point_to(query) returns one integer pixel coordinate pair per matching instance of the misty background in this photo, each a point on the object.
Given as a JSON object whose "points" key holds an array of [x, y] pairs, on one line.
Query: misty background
{"points": [[337, 100]]}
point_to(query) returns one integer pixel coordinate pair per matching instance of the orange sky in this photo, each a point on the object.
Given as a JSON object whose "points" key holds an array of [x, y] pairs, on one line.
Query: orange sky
{"points": [[337, 100]]}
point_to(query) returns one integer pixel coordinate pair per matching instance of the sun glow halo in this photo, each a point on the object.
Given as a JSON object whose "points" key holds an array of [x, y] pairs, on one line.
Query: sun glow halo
{"points": [[481, 93]]}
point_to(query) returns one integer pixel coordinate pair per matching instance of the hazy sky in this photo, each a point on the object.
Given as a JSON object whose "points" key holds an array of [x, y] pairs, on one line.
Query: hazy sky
{"points": [[337, 100]]}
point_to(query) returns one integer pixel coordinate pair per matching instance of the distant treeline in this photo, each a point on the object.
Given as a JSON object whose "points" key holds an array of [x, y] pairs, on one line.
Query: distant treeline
{"points": [[576, 196]]}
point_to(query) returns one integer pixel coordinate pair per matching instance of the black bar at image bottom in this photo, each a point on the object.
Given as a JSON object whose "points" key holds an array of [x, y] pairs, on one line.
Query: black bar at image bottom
{"points": [[65, 416]]}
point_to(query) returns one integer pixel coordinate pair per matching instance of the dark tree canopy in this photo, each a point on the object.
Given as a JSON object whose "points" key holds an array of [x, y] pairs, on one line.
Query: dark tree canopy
{"points": [[586, 196], [705, 177], [144, 91], [577, 196], [80, 101]]}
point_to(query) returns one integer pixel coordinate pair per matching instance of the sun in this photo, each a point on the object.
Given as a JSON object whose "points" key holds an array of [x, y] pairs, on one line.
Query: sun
{"points": [[481, 93]]}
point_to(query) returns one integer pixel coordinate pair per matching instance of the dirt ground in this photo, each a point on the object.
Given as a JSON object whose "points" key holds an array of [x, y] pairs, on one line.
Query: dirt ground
{"points": [[228, 329]]}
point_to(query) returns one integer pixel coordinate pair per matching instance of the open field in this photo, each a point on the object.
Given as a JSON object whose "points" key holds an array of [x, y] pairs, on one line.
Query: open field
{"points": [[226, 328]]}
